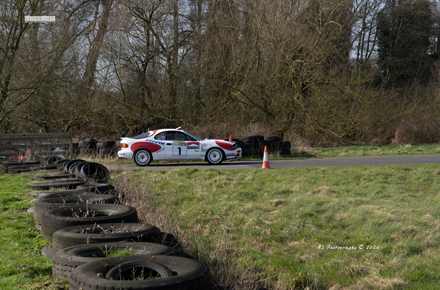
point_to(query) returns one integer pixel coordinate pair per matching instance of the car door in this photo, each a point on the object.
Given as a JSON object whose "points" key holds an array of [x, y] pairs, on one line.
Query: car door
{"points": [[180, 146]]}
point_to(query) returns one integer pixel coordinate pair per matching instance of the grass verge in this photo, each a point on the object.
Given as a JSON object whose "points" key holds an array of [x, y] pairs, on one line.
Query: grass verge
{"points": [[321, 228], [22, 266]]}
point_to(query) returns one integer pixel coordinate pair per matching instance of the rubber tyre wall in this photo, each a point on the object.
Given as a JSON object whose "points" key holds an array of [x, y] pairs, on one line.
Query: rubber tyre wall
{"points": [[60, 176], [59, 218], [94, 172], [105, 144], [67, 259], [189, 274], [105, 233], [46, 203], [272, 139], [76, 167], [60, 163], [61, 193], [47, 251], [102, 188], [70, 163], [69, 183], [282, 148]]}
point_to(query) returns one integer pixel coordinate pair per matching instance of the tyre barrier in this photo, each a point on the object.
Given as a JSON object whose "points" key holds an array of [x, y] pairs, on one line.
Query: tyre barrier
{"points": [[75, 168], [105, 233], [70, 163], [47, 251], [60, 193], [50, 160], [111, 273], [52, 201], [68, 183], [6, 165], [60, 163], [101, 188], [282, 148], [56, 176], [59, 218], [94, 172], [67, 259], [83, 234], [254, 145]]}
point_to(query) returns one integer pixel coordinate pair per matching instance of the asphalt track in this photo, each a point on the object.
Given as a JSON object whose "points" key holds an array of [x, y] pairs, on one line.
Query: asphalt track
{"points": [[327, 162]]}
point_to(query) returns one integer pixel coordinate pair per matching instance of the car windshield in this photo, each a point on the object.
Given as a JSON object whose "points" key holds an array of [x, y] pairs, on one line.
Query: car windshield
{"points": [[143, 135]]}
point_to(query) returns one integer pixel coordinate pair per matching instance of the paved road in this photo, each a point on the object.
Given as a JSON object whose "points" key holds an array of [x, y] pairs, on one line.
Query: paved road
{"points": [[328, 162]]}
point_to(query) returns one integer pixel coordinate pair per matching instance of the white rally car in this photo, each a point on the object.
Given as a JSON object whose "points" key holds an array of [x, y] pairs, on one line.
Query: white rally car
{"points": [[176, 145]]}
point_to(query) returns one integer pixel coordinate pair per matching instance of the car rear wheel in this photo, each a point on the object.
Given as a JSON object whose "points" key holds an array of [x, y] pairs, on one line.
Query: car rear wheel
{"points": [[215, 156], [142, 157]]}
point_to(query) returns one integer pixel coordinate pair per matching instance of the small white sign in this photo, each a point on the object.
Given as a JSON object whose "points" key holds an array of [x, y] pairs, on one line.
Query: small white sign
{"points": [[39, 18]]}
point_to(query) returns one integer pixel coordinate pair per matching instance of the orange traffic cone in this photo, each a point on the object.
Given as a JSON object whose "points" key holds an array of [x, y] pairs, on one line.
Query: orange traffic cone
{"points": [[230, 138], [266, 164]]}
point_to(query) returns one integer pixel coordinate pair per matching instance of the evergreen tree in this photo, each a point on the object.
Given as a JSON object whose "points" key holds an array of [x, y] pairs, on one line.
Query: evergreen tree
{"points": [[404, 31]]}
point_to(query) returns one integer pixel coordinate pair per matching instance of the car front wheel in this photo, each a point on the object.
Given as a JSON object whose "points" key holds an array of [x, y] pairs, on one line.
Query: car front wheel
{"points": [[142, 157], [215, 156]]}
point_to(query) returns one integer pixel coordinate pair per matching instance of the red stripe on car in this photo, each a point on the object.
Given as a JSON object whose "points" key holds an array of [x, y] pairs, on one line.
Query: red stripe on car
{"points": [[145, 145], [225, 145]]}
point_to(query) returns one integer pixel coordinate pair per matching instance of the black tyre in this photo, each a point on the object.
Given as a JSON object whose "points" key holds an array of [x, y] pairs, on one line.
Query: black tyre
{"points": [[49, 160], [94, 172], [142, 157], [59, 218], [50, 202], [76, 167], [215, 156], [47, 251], [6, 164], [282, 148], [105, 144], [68, 183], [272, 139], [61, 193], [59, 176], [105, 233], [101, 188], [253, 139], [67, 165], [187, 274], [67, 259], [60, 163]]}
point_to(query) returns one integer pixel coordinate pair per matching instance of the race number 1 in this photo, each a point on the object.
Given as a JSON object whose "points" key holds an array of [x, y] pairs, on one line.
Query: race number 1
{"points": [[179, 149]]}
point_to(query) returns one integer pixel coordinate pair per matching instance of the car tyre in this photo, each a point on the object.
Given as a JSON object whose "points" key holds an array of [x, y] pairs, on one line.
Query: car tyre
{"points": [[142, 157], [187, 274], [67, 259], [215, 156]]}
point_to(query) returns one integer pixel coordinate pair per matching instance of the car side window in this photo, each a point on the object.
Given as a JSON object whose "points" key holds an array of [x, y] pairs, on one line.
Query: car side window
{"points": [[160, 136], [189, 138], [171, 136]]}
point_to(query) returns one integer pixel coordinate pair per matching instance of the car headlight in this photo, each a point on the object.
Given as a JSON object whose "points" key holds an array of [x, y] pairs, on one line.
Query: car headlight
{"points": [[123, 145]]}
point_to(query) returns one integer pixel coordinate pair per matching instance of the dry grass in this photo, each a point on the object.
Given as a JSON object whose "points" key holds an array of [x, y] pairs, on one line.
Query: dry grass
{"points": [[220, 260]]}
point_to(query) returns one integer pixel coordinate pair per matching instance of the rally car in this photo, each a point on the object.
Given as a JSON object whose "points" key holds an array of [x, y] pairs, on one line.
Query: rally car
{"points": [[176, 145]]}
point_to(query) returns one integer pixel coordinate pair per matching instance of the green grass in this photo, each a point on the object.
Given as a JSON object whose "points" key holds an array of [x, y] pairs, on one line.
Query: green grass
{"points": [[386, 150], [304, 227], [22, 266]]}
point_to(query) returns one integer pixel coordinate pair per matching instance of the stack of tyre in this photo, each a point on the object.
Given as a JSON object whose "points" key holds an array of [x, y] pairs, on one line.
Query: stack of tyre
{"points": [[102, 149], [254, 145], [14, 167], [88, 223]]}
